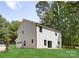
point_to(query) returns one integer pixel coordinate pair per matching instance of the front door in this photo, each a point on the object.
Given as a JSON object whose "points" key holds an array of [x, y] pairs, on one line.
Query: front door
{"points": [[49, 44]]}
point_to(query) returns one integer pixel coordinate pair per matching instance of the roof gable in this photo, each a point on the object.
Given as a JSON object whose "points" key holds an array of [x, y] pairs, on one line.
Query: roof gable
{"points": [[38, 24]]}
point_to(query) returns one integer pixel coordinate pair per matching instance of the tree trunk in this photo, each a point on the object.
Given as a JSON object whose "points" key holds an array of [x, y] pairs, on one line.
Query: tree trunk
{"points": [[7, 45]]}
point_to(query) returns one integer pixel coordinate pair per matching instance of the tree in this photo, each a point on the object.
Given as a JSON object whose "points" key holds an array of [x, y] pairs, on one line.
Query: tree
{"points": [[42, 7], [4, 33], [3, 22], [8, 31], [63, 16], [5, 36], [13, 27]]}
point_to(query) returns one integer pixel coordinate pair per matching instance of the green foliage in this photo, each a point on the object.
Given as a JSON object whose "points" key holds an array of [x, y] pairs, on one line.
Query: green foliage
{"points": [[3, 22], [4, 32], [63, 16], [13, 27], [8, 31]]}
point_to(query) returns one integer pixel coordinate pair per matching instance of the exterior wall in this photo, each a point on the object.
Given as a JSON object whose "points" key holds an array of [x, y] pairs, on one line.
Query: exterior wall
{"points": [[47, 35], [29, 33]]}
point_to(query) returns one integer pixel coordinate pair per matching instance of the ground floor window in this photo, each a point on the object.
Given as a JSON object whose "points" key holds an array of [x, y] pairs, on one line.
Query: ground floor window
{"points": [[19, 42], [58, 42], [24, 43], [45, 42]]}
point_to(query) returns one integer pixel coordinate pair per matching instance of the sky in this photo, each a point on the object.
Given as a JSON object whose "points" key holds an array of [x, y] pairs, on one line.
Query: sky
{"points": [[18, 10]]}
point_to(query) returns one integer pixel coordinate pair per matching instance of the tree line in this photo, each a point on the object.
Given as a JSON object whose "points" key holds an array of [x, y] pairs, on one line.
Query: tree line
{"points": [[62, 16], [59, 15], [8, 31]]}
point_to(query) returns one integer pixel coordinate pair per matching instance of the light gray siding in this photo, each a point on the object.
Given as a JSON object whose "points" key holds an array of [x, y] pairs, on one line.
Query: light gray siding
{"points": [[28, 35], [47, 35]]}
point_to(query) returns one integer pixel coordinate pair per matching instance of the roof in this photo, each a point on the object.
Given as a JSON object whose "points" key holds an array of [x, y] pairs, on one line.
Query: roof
{"points": [[38, 24]]}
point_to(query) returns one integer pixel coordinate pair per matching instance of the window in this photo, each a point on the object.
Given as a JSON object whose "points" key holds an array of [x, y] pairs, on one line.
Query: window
{"points": [[58, 42], [45, 42], [32, 41], [24, 43], [40, 28], [22, 32], [55, 34], [19, 42]]}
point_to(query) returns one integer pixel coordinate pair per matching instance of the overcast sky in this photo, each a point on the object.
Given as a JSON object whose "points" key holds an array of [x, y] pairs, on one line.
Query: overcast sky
{"points": [[17, 10]]}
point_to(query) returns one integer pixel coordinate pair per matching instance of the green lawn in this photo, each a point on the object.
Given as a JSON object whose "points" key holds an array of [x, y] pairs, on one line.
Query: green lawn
{"points": [[39, 53]]}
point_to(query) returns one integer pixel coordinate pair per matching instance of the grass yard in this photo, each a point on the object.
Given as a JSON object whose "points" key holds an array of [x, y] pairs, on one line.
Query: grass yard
{"points": [[39, 53]]}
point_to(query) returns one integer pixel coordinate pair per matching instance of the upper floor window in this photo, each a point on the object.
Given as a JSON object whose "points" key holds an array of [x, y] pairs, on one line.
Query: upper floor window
{"points": [[55, 34], [22, 32], [40, 28], [32, 41]]}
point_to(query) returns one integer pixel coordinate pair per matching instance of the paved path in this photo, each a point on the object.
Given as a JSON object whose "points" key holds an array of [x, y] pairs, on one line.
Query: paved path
{"points": [[2, 47]]}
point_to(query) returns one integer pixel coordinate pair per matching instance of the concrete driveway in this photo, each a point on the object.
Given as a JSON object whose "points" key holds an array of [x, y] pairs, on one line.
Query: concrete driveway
{"points": [[2, 47]]}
